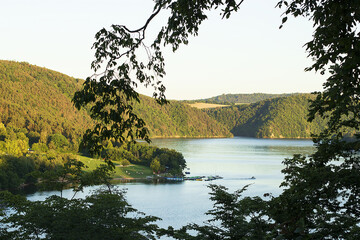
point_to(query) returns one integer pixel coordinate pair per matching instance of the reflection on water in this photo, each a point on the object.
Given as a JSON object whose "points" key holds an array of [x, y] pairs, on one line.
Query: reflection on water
{"points": [[235, 159], [238, 157]]}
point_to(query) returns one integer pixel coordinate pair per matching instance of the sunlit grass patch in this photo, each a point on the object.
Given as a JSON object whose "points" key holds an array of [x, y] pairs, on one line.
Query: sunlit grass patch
{"points": [[130, 171], [133, 171]]}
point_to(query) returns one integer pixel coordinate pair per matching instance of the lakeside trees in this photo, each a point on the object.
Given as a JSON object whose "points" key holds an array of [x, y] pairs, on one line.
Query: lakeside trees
{"points": [[21, 167]]}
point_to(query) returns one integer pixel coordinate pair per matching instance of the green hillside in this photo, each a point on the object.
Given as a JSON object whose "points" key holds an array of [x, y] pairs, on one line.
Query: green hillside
{"points": [[177, 119], [39, 100], [284, 117], [239, 98]]}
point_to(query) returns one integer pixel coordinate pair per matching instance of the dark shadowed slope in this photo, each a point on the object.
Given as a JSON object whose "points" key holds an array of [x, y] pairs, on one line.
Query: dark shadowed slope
{"points": [[284, 117]]}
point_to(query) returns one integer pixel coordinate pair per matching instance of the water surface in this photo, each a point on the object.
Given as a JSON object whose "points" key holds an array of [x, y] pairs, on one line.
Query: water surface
{"points": [[236, 159]]}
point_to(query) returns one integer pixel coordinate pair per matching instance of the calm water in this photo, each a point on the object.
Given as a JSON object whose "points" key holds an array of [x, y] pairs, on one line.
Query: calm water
{"points": [[235, 159]]}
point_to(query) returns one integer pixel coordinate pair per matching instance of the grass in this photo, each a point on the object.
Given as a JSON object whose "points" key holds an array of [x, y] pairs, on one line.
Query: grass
{"points": [[133, 171], [91, 163], [206, 105], [129, 172]]}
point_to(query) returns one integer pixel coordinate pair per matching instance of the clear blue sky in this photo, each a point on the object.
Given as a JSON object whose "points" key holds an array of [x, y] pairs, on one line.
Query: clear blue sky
{"points": [[245, 54]]}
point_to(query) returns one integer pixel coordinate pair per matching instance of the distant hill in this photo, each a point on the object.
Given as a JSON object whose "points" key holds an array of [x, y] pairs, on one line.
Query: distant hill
{"points": [[228, 99], [39, 100], [202, 105], [284, 117], [178, 119]]}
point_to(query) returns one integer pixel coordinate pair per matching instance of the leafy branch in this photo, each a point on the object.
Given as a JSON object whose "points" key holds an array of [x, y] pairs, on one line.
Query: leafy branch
{"points": [[112, 92]]}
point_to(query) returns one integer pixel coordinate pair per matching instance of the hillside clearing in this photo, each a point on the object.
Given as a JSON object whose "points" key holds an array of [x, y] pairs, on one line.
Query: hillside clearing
{"points": [[200, 105]]}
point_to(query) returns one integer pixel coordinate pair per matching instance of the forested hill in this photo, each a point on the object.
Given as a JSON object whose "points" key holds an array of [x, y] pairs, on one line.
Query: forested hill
{"points": [[239, 98], [39, 100], [178, 119], [284, 117]]}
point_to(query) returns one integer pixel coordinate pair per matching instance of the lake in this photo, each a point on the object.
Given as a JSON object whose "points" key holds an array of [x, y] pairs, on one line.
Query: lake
{"points": [[235, 159]]}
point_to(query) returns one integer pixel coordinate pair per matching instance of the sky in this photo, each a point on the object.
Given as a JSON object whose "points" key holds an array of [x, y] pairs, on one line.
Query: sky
{"points": [[247, 53]]}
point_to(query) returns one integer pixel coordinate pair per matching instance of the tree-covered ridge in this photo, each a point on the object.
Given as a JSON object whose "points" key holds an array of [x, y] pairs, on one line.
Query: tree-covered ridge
{"points": [[240, 98], [284, 117], [177, 119], [39, 100]]}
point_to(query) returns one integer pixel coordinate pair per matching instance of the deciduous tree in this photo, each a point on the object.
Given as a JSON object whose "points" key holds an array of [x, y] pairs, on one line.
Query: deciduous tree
{"points": [[118, 69]]}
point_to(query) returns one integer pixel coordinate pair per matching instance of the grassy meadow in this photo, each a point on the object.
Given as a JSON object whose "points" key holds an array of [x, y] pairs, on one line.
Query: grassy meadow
{"points": [[131, 171]]}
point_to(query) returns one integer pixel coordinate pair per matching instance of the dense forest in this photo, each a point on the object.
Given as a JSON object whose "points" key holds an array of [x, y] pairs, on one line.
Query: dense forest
{"points": [[284, 117], [177, 119], [39, 100], [229, 99]]}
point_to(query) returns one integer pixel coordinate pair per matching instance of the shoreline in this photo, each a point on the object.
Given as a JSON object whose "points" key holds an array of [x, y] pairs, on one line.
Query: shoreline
{"points": [[217, 137]]}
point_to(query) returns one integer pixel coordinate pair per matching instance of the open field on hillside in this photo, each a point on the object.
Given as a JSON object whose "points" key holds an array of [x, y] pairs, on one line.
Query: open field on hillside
{"points": [[206, 105]]}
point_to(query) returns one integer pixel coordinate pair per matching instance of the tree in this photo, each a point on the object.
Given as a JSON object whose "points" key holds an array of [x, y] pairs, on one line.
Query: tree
{"points": [[58, 141], [321, 196], [321, 199], [16, 147], [2, 132], [111, 92], [155, 165], [233, 217], [101, 215]]}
